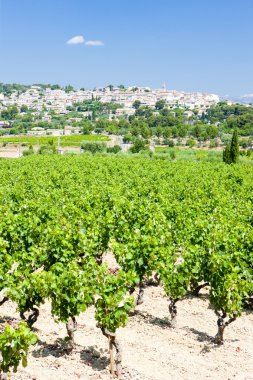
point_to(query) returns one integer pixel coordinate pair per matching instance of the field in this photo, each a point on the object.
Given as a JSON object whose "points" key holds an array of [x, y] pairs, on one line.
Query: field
{"points": [[151, 350], [189, 154], [81, 237], [72, 140]]}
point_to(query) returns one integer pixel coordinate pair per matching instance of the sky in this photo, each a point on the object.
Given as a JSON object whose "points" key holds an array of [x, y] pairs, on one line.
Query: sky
{"points": [[191, 45]]}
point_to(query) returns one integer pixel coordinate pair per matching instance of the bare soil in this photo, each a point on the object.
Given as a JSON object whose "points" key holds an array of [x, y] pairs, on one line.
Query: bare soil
{"points": [[15, 151], [151, 349]]}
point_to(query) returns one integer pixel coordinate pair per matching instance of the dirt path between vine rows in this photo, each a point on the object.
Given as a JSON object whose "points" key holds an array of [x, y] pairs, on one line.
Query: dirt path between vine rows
{"points": [[151, 350]]}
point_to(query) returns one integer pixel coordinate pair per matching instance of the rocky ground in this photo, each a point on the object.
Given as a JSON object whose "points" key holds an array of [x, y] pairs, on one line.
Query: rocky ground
{"points": [[151, 349]]}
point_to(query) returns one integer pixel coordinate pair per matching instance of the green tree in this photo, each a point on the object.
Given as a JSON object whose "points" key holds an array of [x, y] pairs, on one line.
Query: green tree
{"points": [[55, 87], [191, 143], [127, 138], [114, 149], [158, 131], [136, 104], [86, 127], [138, 145], [226, 155], [212, 131], [24, 108], [160, 104], [234, 147], [167, 132], [145, 132], [197, 130], [10, 113], [182, 131], [68, 88], [231, 152]]}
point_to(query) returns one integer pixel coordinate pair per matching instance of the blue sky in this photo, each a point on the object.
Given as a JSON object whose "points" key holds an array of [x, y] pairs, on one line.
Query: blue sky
{"points": [[192, 45]]}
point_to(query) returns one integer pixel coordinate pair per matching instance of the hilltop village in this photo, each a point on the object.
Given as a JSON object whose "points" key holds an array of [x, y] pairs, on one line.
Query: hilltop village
{"points": [[61, 99]]}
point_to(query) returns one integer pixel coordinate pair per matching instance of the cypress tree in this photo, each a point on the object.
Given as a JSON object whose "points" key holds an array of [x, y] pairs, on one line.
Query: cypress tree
{"points": [[226, 155], [234, 147], [231, 152]]}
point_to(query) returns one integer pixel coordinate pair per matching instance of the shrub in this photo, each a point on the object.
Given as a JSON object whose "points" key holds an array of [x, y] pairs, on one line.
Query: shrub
{"points": [[200, 155], [115, 149], [172, 154], [127, 138], [14, 346], [93, 147], [138, 145], [169, 142], [47, 149], [191, 143], [212, 144], [28, 152], [243, 144], [226, 155]]}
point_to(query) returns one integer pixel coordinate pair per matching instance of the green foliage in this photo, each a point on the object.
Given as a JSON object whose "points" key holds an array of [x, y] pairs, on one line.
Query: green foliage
{"points": [[24, 108], [234, 147], [97, 108], [172, 154], [113, 305], [93, 147], [72, 140], [160, 104], [115, 149], [233, 116], [226, 155], [138, 145], [213, 144], [68, 88], [28, 152], [127, 138], [9, 113], [87, 127], [231, 152], [191, 143], [8, 89], [28, 290], [14, 346], [136, 104], [169, 142], [229, 284], [47, 149], [60, 215], [72, 288]]}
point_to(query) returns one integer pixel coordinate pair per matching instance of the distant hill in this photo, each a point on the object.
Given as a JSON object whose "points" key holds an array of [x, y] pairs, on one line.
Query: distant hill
{"points": [[243, 99]]}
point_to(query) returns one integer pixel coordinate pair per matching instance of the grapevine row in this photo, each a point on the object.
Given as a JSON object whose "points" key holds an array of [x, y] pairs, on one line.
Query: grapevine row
{"points": [[190, 224]]}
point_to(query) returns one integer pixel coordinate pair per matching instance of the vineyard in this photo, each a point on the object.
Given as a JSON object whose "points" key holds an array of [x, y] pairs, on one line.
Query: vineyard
{"points": [[72, 140], [97, 233]]}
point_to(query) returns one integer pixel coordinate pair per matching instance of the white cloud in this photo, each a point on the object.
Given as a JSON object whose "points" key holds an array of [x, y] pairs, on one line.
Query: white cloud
{"points": [[76, 40], [94, 43]]}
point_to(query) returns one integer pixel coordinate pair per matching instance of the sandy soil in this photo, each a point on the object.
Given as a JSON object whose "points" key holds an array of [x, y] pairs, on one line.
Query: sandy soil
{"points": [[16, 152], [151, 349], [11, 151]]}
